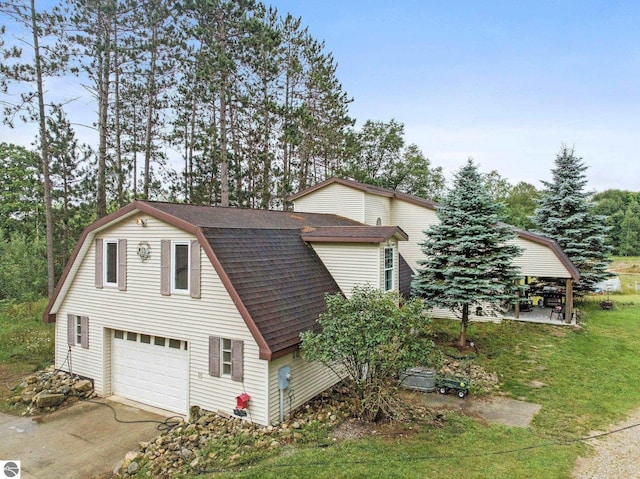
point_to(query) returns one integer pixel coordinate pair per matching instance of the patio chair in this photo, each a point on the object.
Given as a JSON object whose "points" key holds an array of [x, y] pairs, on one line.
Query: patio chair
{"points": [[558, 311]]}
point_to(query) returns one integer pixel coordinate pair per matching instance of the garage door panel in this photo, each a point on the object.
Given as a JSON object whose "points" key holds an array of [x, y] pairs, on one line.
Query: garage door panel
{"points": [[150, 373]]}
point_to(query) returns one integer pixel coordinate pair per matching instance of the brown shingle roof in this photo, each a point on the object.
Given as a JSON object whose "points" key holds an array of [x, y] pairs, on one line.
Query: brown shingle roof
{"points": [[354, 234], [274, 278], [279, 278], [229, 217]]}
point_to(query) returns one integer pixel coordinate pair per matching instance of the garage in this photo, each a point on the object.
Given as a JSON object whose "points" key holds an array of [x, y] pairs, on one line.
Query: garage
{"points": [[152, 370]]}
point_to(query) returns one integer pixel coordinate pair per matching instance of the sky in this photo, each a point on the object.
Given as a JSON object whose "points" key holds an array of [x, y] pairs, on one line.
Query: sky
{"points": [[504, 82]]}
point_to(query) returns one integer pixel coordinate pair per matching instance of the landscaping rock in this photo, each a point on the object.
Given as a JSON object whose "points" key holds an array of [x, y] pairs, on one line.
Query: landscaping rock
{"points": [[48, 400], [133, 468], [183, 449], [481, 380], [47, 390]]}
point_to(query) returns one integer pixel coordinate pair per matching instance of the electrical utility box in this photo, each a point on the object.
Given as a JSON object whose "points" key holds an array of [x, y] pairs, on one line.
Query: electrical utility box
{"points": [[284, 377]]}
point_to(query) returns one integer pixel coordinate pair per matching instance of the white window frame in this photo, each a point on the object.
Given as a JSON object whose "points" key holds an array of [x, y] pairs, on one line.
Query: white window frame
{"points": [[390, 269], [78, 329], [174, 244], [105, 263], [225, 351]]}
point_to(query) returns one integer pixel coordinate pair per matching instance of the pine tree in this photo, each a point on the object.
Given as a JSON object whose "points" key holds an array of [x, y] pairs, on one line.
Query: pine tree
{"points": [[469, 260], [50, 58], [566, 215]]}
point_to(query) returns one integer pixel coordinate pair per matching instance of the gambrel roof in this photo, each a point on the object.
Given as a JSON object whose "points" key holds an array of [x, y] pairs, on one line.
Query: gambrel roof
{"points": [[275, 278]]}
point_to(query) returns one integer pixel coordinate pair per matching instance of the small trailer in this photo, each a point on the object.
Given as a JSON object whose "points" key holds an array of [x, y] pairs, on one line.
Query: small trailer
{"points": [[459, 385]]}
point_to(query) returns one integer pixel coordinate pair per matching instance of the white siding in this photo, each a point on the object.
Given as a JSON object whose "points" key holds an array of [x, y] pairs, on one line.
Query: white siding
{"points": [[308, 379], [143, 309], [377, 206], [413, 220], [335, 199], [351, 264], [539, 260]]}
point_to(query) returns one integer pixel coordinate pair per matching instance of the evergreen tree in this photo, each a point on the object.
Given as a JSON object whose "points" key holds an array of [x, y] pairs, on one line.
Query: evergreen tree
{"points": [[469, 260], [566, 216]]}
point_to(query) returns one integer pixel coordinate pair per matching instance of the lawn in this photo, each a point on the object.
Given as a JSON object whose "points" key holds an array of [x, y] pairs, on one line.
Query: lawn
{"points": [[580, 376], [26, 344]]}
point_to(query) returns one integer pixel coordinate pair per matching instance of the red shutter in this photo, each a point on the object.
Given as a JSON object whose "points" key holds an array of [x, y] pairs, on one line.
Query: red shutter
{"points": [[237, 360], [165, 267], [214, 356], [194, 280], [71, 329], [84, 332], [122, 264], [99, 263]]}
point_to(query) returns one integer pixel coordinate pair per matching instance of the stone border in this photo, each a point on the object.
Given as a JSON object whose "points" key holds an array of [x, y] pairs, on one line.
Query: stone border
{"points": [[47, 390]]}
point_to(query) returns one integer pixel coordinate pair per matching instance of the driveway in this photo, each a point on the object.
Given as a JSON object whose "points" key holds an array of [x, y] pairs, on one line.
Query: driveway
{"points": [[81, 441]]}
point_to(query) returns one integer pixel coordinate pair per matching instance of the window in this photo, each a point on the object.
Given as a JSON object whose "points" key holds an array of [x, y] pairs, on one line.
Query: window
{"points": [[180, 267], [226, 358], [180, 270], [174, 343], [78, 330], [132, 336], [118, 334], [111, 262], [145, 338], [388, 269], [159, 341]]}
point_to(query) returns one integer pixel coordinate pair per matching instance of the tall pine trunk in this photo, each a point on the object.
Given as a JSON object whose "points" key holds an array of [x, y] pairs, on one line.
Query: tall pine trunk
{"points": [[151, 104], [104, 57], [44, 152]]}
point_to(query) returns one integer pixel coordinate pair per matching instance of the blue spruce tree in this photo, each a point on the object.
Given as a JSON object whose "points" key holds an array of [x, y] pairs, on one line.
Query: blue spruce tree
{"points": [[468, 257], [566, 215]]}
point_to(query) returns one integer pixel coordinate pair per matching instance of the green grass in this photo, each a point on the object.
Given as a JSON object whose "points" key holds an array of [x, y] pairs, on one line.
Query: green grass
{"points": [[24, 337], [589, 375], [26, 344], [463, 448]]}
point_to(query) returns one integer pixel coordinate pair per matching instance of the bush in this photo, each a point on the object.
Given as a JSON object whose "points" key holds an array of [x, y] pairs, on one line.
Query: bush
{"points": [[371, 337]]}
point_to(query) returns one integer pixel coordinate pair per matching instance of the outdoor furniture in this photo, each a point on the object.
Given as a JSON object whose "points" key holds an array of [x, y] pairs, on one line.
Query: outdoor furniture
{"points": [[558, 311]]}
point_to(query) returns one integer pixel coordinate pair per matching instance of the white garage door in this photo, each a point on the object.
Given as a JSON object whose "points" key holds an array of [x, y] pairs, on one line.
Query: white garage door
{"points": [[150, 369]]}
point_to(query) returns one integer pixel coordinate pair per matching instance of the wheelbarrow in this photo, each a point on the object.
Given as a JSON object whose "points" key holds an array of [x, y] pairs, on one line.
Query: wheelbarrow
{"points": [[460, 386]]}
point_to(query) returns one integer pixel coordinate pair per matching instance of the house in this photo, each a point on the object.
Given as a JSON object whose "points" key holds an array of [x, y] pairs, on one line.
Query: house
{"points": [[176, 305], [373, 205]]}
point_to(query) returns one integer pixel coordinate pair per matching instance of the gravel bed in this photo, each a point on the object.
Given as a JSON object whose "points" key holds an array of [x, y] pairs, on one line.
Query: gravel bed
{"points": [[615, 455]]}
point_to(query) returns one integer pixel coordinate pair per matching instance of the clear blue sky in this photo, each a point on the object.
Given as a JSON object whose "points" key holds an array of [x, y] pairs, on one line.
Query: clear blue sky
{"points": [[505, 82]]}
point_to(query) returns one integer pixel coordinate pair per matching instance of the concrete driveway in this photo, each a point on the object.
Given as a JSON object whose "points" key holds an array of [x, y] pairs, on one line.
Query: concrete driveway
{"points": [[81, 441], [493, 409]]}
